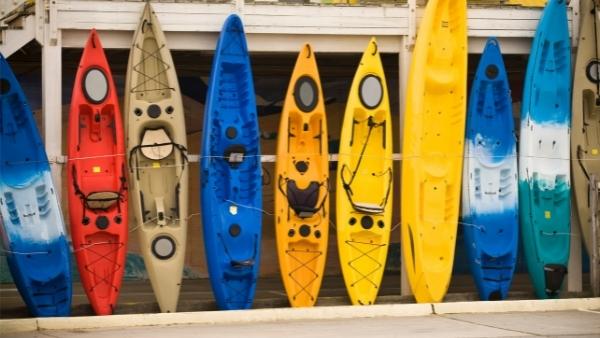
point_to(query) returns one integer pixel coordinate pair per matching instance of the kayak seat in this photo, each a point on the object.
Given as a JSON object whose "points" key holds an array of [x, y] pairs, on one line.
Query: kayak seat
{"points": [[303, 201], [156, 144], [101, 200], [234, 155], [368, 208]]}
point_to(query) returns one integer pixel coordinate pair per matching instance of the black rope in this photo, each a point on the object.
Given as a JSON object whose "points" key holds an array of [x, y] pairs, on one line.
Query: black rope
{"points": [[237, 292], [150, 79], [181, 148], [183, 153], [304, 265], [367, 254], [266, 179], [117, 267], [78, 192], [579, 160], [227, 251], [83, 197], [347, 184]]}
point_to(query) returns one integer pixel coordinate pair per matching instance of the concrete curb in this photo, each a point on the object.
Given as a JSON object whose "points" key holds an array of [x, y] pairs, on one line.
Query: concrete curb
{"points": [[541, 305], [288, 314]]}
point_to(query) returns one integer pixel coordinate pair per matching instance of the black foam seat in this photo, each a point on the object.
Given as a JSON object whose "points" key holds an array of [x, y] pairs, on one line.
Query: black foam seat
{"points": [[303, 201]]}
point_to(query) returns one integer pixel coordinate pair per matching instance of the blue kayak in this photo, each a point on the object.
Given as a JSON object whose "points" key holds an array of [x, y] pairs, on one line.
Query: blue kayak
{"points": [[231, 173], [32, 227], [544, 153], [489, 195]]}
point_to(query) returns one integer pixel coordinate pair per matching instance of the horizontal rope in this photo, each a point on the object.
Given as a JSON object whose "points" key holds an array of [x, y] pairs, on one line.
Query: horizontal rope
{"points": [[332, 158], [331, 224]]}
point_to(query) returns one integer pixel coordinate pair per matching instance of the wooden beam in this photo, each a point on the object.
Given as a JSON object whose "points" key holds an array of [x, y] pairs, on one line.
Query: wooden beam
{"points": [[404, 64], [52, 103]]}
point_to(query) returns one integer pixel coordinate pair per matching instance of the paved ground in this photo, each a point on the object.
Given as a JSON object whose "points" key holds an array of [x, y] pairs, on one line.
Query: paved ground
{"points": [[196, 295], [547, 324]]}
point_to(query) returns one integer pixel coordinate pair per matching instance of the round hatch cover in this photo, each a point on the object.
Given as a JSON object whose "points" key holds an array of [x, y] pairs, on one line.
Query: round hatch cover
{"points": [[95, 85], [163, 247], [306, 94], [371, 91]]}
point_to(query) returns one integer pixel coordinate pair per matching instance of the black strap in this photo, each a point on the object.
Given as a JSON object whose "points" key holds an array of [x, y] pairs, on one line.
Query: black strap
{"points": [[83, 197], [347, 184], [371, 125], [579, 160], [78, 192], [266, 179], [238, 264], [181, 148]]}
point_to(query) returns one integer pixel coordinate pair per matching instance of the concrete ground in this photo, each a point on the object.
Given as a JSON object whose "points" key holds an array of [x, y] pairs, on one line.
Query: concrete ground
{"points": [[333, 318], [522, 324], [196, 295]]}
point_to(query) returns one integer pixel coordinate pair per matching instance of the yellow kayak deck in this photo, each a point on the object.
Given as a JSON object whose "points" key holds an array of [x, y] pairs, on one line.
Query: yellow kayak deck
{"points": [[433, 148]]}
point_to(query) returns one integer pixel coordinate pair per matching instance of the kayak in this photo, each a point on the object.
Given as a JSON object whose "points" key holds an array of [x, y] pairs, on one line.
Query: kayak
{"points": [[434, 132], [365, 180], [302, 184], [490, 214], [32, 227], [585, 129], [97, 189], [544, 153], [231, 173], [157, 159]]}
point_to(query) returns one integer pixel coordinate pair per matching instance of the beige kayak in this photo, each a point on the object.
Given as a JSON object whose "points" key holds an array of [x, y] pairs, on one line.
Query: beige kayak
{"points": [[585, 130], [156, 147]]}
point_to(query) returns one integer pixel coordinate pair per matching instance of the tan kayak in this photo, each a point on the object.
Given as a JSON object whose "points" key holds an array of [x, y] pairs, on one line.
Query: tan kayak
{"points": [[156, 147], [585, 130]]}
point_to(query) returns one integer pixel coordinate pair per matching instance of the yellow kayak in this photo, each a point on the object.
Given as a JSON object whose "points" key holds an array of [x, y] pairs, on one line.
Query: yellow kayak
{"points": [[302, 181], [365, 180], [434, 135], [527, 3]]}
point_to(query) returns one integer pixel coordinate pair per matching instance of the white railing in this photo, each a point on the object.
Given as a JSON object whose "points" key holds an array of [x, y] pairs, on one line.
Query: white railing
{"points": [[17, 24]]}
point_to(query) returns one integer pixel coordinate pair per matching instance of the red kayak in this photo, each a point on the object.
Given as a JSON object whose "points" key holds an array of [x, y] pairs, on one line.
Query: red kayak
{"points": [[96, 179]]}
